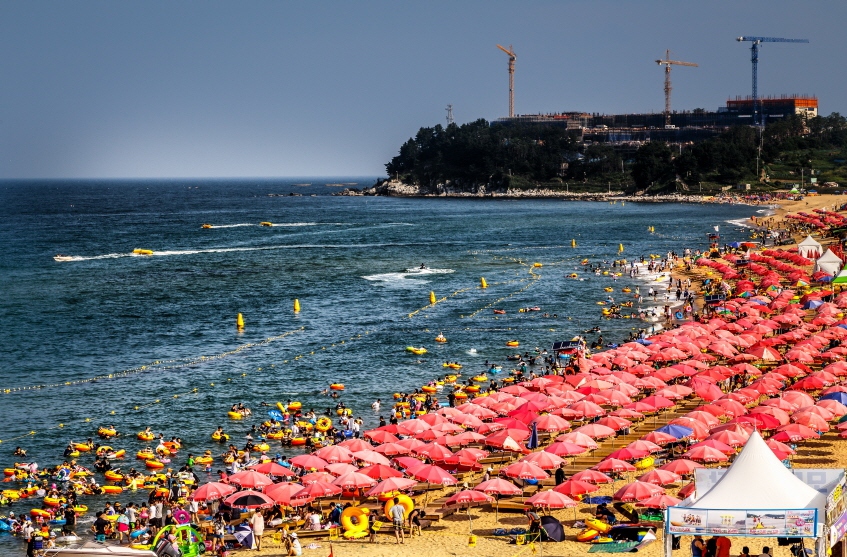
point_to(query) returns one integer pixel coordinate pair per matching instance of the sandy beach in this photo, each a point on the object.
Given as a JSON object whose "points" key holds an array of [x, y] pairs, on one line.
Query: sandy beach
{"points": [[450, 536]]}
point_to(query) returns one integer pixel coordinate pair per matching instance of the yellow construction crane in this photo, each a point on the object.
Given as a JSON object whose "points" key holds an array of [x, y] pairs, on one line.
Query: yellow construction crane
{"points": [[512, 58], [667, 63]]}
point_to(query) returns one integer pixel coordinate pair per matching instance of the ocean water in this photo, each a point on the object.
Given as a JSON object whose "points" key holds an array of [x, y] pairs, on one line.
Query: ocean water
{"points": [[158, 332]]}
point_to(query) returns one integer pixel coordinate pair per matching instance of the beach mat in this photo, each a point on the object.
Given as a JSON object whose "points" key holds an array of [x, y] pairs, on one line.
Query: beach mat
{"points": [[614, 547]]}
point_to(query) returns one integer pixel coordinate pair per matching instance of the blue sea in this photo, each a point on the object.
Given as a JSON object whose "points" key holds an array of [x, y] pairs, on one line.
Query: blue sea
{"points": [[113, 338]]}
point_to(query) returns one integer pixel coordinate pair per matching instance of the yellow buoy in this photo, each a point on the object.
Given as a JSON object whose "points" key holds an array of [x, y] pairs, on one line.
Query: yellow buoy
{"points": [[536, 265], [239, 321], [573, 243], [296, 305], [482, 283], [432, 297], [620, 248]]}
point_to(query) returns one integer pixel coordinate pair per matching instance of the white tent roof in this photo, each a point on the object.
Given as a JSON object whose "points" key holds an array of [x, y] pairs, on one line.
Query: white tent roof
{"points": [[758, 480], [829, 263], [809, 247], [810, 242]]}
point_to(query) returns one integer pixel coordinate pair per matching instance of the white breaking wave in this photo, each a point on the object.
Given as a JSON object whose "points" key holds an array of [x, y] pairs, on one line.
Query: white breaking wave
{"points": [[743, 223], [408, 277]]}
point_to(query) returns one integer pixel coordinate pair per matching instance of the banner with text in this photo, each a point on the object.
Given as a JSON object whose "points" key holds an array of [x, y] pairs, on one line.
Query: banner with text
{"points": [[800, 523]]}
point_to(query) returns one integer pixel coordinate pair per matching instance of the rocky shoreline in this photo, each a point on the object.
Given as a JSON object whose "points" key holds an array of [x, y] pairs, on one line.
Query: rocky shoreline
{"points": [[393, 188]]}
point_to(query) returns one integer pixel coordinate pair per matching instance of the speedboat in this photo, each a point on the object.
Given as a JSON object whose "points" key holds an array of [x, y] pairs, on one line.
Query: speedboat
{"points": [[95, 549], [207, 226], [60, 257]]}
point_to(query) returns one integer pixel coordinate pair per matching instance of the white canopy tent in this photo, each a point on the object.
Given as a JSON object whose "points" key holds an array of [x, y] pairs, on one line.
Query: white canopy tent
{"points": [[829, 263], [756, 481], [810, 248]]}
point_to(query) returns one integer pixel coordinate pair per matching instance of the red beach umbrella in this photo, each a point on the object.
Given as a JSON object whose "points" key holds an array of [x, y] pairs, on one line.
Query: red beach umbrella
{"points": [[308, 462], [550, 499], [251, 479], [431, 474], [467, 496], [525, 471], [389, 485], [273, 469], [660, 501], [334, 453], [317, 490], [283, 493], [212, 491], [637, 491], [575, 487], [354, 480], [498, 486], [706, 454], [681, 466], [614, 465], [381, 472], [592, 476], [544, 460], [660, 477], [563, 448]]}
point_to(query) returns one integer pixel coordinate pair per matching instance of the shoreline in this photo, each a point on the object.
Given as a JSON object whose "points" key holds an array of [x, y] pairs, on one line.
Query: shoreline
{"points": [[399, 189]]}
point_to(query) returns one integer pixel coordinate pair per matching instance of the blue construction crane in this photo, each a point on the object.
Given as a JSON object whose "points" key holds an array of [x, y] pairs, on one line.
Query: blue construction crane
{"points": [[754, 57]]}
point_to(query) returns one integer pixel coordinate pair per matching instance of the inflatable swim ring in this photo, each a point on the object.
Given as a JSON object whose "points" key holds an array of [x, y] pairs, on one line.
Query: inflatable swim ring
{"points": [[337, 386], [106, 432], [145, 436], [112, 489], [512, 343], [113, 476], [235, 415], [295, 406], [154, 464], [145, 454], [587, 535], [355, 522], [298, 441], [323, 424], [404, 500]]}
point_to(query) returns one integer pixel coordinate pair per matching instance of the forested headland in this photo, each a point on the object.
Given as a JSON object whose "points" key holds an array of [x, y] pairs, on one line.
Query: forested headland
{"points": [[477, 156]]}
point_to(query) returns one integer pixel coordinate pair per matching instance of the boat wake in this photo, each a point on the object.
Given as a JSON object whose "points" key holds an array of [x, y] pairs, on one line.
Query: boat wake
{"points": [[156, 253], [408, 277], [234, 225]]}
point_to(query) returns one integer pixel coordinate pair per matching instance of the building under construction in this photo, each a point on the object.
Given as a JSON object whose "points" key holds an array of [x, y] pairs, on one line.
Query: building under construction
{"points": [[685, 126]]}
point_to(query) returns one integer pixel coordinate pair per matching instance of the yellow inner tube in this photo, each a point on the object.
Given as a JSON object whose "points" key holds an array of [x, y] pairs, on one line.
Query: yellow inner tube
{"points": [[360, 528], [323, 424], [404, 500], [235, 415]]}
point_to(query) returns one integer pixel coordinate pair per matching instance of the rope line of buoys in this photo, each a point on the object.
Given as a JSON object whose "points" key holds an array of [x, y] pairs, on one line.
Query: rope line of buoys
{"points": [[158, 365], [438, 300]]}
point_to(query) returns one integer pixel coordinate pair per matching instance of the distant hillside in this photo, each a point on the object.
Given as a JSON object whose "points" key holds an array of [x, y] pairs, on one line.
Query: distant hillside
{"points": [[477, 156]]}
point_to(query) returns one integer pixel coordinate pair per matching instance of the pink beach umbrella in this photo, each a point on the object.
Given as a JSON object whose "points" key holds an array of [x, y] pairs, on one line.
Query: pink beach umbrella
{"points": [[354, 480], [212, 491], [525, 471], [390, 485], [283, 494], [308, 462], [317, 490], [544, 460], [660, 477], [250, 479], [273, 469], [637, 491], [550, 499], [592, 477], [659, 501], [334, 453]]}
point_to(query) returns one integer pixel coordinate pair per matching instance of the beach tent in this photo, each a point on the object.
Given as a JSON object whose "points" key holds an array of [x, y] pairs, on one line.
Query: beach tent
{"points": [[829, 263], [810, 248], [749, 484], [756, 483]]}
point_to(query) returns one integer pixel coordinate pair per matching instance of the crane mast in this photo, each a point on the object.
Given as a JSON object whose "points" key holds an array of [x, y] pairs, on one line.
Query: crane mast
{"points": [[512, 58], [667, 63]]}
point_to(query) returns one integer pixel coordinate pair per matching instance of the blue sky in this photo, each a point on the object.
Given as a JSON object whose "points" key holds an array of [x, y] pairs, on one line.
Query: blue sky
{"points": [[332, 88]]}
